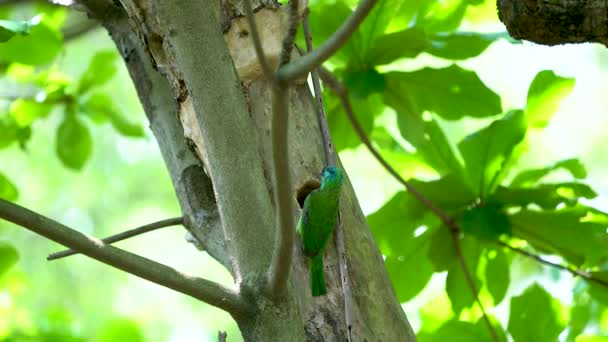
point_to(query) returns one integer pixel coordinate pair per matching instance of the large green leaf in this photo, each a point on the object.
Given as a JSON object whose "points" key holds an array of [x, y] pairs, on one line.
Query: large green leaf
{"points": [[443, 16], [10, 28], [461, 45], [457, 286], [547, 196], [533, 316], [459, 197], [8, 257], [486, 151], [486, 223], [39, 47], [580, 314], [100, 70], [497, 274], [342, 131], [454, 330], [8, 190], [599, 292], [393, 46], [394, 225], [74, 142], [545, 96], [451, 92], [100, 106], [441, 250], [578, 234], [411, 271], [529, 177], [363, 82]]}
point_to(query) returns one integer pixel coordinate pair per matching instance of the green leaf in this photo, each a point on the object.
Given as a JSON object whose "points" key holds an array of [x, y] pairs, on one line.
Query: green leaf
{"points": [[545, 96], [395, 224], [457, 287], [578, 234], [436, 190], [487, 223], [406, 163], [486, 151], [8, 257], [342, 132], [497, 274], [74, 142], [411, 271], [441, 250], [580, 314], [39, 47], [461, 45], [599, 292], [547, 196], [8, 190], [100, 107], [451, 92], [120, 329], [443, 16], [362, 83], [10, 28], [454, 330], [25, 112], [100, 70], [529, 177], [533, 316], [483, 326], [393, 46]]}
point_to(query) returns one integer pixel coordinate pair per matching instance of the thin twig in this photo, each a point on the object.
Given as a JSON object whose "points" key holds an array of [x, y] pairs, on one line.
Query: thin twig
{"points": [[342, 93], [278, 273], [330, 157], [125, 235], [308, 62], [257, 41], [204, 290], [471, 283], [221, 336], [575, 272]]}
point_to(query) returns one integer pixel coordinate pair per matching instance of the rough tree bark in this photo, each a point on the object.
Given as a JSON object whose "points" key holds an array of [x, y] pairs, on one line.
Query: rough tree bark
{"points": [[552, 22], [210, 112]]}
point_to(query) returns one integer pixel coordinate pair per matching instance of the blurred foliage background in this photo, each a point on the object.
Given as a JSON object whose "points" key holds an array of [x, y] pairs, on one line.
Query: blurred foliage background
{"points": [[74, 146]]}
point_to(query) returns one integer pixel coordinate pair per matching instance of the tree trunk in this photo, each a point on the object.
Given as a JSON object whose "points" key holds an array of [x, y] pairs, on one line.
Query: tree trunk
{"points": [[191, 62]]}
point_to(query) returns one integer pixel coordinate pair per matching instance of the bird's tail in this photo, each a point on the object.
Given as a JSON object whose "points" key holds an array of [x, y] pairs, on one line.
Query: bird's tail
{"points": [[317, 276]]}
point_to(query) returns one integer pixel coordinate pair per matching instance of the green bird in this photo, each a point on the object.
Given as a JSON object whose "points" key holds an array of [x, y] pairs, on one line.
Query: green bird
{"points": [[317, 222]]}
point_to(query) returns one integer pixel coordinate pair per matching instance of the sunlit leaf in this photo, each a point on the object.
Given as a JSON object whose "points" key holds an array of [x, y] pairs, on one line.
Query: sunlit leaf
{"points": [[461, 45], [580, 314], [545, 95], [547, 196], [8, 190], [393, 46], [101, 108], [25, 112], [486, 223], [482, 325], [411, 271], [436, 190], [486, 151], [533, 316], [74, 142], [8, 257], [497, 274], [39, 47], [100, 70], [443, 16], [10, 28], [451, 92], [578, 234], [457, 286], [529, 177]]}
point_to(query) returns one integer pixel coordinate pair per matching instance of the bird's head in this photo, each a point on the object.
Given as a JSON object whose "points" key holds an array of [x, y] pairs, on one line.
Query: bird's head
{"points": [[332, 175]]}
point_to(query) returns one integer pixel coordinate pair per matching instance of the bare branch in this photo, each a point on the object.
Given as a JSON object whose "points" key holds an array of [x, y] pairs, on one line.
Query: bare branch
{"points": [[125, 235], [257, 42], [575, 272], [221, 336], [204, 290], [308, 62], [278, 273]]}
